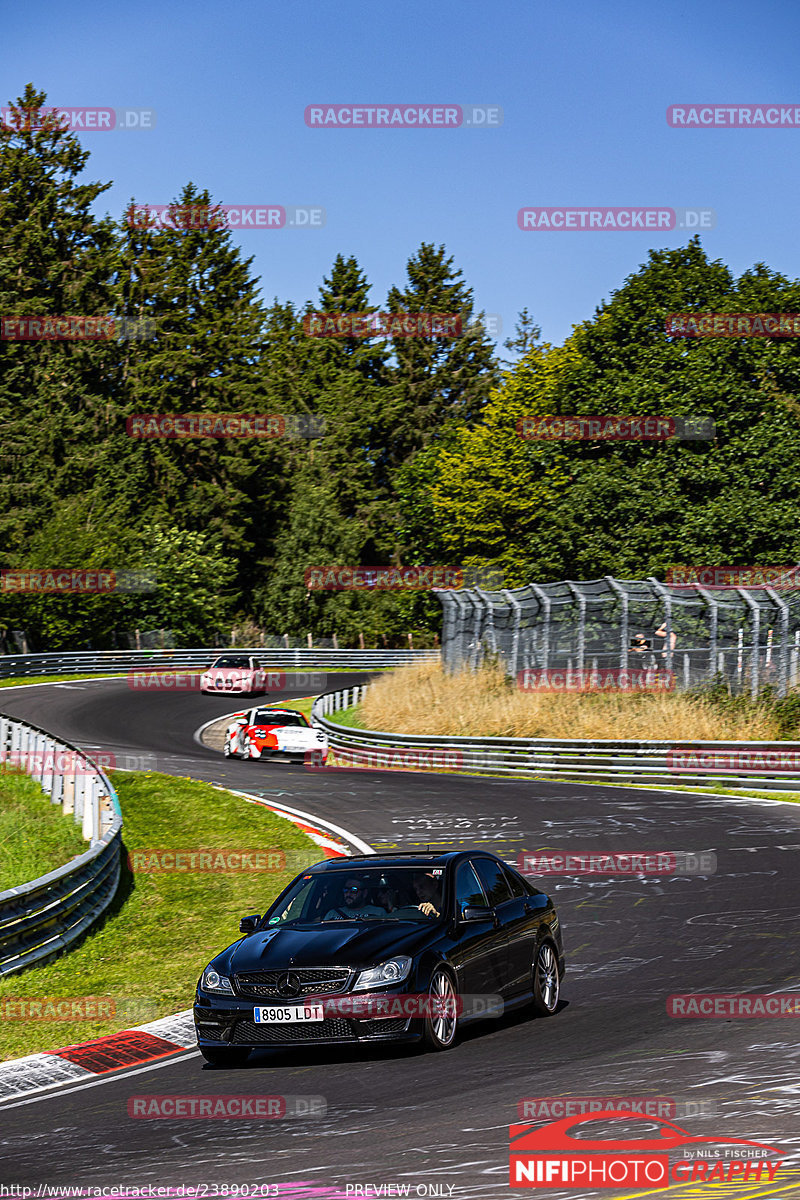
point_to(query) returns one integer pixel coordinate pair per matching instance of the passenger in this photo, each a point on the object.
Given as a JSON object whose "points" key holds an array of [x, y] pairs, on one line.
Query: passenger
{"points": [[429, 894], [387, 897], [354, 906]]}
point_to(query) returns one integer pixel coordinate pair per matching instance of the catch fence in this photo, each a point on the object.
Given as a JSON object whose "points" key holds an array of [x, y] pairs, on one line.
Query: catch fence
{"points": [[750, 637]]}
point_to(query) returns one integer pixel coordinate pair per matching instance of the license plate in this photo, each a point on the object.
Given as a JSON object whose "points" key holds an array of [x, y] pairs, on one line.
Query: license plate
{"points": [[289, 1014]]}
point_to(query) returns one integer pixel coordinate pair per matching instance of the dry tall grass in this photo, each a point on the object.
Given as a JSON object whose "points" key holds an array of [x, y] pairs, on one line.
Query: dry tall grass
{"points": [[424, 699]]}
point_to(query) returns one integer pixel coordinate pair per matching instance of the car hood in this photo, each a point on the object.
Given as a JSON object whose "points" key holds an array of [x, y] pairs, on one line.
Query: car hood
{"points": [[283, 733], [349, 943], [228, 672]]}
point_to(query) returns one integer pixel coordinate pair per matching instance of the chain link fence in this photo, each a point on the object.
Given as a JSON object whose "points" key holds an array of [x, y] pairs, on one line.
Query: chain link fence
{"points": [[750, 637]]}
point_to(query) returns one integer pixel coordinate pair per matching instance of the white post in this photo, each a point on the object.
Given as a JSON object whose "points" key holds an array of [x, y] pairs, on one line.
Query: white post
{"points": [[90, 810]]}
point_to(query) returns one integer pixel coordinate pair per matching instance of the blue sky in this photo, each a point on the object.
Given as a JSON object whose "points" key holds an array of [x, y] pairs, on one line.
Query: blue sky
{"points": [[583, 86]]}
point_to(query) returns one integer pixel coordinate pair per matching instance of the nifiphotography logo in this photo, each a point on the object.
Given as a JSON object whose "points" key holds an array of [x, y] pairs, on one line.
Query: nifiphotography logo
{"points": [[560, 1154]]}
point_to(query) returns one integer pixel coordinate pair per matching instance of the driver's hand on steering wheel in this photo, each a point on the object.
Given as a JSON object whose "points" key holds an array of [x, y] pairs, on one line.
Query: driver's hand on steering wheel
{"points": [[427, 908]]}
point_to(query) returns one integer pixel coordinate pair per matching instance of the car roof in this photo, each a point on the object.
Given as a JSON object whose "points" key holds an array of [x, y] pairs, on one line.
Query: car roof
{"points": [[400, 858]]}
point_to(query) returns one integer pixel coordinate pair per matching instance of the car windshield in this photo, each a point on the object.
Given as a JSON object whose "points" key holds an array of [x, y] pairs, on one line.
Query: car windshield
{"points": [[367, 894], [268, 716], [234, 661]]}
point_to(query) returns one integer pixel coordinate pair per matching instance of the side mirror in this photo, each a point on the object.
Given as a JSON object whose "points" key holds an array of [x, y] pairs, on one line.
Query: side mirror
{"points": [[249, 924], [471, 913]]}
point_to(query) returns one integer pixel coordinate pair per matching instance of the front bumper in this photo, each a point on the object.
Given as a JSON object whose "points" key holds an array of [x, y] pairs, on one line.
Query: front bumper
{"points": [[233, 1025], [299, 756]]}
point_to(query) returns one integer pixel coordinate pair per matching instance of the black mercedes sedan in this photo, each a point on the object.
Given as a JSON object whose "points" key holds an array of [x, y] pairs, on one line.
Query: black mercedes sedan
{"points": [[376, 948]]}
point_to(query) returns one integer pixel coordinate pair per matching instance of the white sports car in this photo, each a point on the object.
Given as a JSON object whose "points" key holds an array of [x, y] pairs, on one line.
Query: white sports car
{"points": [[234, 673], [275, 733]]}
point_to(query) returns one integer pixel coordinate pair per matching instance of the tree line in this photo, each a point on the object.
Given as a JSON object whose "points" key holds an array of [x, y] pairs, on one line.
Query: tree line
{"points": [[421, 460]]}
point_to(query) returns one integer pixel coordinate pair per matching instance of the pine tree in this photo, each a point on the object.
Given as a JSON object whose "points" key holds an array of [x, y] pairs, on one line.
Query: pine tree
{"points": [[437, 379], [56, 258]]}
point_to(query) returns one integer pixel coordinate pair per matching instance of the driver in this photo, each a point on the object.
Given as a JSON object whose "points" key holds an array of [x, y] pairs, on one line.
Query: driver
{"points": [[429, 894], [354, 906]]}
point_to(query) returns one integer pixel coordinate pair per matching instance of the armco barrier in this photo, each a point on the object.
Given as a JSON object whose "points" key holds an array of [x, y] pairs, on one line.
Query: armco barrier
{"points": [[597, 761], [39, 920], [102, 662]]}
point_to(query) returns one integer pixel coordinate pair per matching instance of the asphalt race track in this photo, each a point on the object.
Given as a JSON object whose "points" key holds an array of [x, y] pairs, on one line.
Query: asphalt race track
{"points": [[403, 1117]]}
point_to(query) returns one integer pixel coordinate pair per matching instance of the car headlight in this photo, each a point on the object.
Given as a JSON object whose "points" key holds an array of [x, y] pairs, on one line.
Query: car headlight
{"points": [[213, 982], [394, 970]]}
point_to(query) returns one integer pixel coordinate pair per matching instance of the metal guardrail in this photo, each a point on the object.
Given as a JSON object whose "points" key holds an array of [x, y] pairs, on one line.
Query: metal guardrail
{"points": [[40, 919], [775, 766], [91, 662]]}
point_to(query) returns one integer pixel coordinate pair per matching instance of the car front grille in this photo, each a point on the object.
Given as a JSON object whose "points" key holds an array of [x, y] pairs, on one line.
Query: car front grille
{"points": [[248, 1033], [314, 981]]}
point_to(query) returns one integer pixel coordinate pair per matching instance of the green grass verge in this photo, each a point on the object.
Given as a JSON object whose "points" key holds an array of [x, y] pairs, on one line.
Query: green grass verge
{"points": [[35, 837], [144, 960], [351, 717]]}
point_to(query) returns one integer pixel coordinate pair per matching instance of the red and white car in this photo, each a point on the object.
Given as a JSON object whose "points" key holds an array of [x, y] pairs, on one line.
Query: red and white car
{"points": [[275, 733], [237, 674]]}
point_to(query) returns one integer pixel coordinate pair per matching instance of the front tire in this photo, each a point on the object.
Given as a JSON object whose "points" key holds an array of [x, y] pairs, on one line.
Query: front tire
{"points": [[546, 981], [440, 1029], [225, 1056]]}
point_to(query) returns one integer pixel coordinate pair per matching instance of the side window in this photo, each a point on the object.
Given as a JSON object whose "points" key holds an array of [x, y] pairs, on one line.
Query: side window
{"points": [[515, 883], [493, 878], [468, 890]]}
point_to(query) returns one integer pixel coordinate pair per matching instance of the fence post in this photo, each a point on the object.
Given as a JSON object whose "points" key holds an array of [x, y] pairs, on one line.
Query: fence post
{"points": [[488, 609], [754, 641], [517, 608], [90, 811], [713, 629], [783, 686], [581, 623], [667, 598], [544, 600], [80, 791], [624, 637]]}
